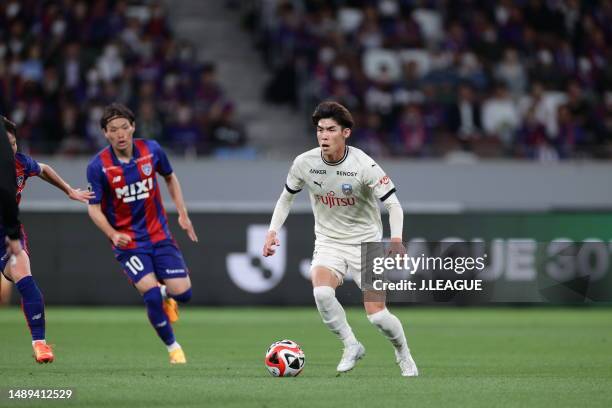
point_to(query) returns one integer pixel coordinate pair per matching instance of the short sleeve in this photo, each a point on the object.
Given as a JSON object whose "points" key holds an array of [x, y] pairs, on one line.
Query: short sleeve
{"points": [[32, 168], [95, 180], [295, 181], [162, 164], [378, 181]]}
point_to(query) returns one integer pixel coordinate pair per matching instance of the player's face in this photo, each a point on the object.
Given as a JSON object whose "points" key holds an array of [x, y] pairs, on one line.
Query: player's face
{"points": [[331, 136], [119, 133], [12, 141]]}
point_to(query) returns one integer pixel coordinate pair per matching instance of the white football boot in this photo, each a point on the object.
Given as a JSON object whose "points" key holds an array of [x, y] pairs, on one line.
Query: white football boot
{"points": [[406, 363], [350, 356]]}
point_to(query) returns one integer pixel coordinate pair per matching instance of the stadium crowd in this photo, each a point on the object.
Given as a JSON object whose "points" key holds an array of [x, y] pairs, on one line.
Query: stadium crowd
{"points": [[62, 61], [508, 78]]}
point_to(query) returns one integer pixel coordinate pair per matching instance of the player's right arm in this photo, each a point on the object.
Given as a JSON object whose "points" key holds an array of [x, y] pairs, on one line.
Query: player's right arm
{"points": [[96, 179], [294, 185], [281, 211], [118, 239]]}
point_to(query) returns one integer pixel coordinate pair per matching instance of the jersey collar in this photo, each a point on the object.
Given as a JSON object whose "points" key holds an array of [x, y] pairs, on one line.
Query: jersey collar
{"points": [[346, 152], [117, 162]]}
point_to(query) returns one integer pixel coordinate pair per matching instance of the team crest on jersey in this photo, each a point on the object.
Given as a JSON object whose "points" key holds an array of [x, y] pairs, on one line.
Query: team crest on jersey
{"points": [[20, 181], [347, 189], [147, 169]]}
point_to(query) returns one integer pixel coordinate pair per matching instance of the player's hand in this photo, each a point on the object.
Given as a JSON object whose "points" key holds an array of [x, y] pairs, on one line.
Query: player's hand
{"points": [[396, 247], [120, 239], [13, 246], [271, 242], [186, 224], [81, 195]]}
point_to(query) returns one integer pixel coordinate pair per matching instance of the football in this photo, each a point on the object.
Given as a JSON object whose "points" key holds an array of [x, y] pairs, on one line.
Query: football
{"points": [[285, 358]]}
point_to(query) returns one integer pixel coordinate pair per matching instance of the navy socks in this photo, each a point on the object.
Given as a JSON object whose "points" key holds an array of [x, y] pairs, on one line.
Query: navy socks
{"points": [[33, 306]]}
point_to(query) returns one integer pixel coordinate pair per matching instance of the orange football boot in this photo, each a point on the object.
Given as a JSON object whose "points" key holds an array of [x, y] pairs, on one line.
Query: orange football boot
{"points": [[42, 352], [177, 356]]}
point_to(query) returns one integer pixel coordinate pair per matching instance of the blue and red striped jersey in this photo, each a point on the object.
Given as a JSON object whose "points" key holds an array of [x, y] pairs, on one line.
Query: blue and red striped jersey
{"points": [[25, 167], [129, 193]]}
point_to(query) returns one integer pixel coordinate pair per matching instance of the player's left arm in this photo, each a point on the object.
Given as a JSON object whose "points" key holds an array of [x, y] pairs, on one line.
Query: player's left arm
{"points": [[164, 168], [396, 223], [384, 189], [50, 176], [176, 193]]}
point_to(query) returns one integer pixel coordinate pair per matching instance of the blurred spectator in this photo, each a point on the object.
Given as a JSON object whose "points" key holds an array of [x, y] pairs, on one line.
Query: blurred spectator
{"points": [[570, 135], [72, 142], [500, 117], [578, 105], [72, 67], [433, 110], [225, 131], [32, 69], [464, 118], [604, 133], [110, 64], [93, 135], [369, 136], [543, 107], [184, 135], [532, 141], [411, 135], [149, 122], [208, 92], [512, 73]]}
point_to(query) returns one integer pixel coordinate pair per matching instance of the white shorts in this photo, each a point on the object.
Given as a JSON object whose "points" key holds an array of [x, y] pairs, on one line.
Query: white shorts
{"points": [[342, 260]]}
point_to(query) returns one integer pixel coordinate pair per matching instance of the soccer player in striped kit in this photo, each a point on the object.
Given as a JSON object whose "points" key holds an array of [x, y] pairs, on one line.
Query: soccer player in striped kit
{"points": [[128, 209], [15, 259]]}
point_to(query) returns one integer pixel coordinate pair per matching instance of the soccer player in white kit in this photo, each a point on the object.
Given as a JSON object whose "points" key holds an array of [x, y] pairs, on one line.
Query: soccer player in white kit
{"points": [[343, 183]]}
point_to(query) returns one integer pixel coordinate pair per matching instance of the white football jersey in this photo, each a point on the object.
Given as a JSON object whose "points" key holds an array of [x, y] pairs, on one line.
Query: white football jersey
{"points": [[342, 194]]}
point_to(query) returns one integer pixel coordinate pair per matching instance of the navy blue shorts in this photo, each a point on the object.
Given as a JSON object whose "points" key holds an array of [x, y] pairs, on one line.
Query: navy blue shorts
{"points": [[164, 259]]}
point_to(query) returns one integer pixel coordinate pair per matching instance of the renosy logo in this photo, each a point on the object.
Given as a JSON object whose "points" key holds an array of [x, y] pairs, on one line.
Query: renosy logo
{"points": [[330, 200]]}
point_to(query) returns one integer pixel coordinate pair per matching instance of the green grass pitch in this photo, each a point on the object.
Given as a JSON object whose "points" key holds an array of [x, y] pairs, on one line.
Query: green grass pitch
{"points": [[467, 357]]}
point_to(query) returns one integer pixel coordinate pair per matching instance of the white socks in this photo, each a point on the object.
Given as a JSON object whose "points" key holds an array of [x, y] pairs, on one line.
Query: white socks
{"points": [[334, 317], [173, 346], [391, 327], [333, 314]]}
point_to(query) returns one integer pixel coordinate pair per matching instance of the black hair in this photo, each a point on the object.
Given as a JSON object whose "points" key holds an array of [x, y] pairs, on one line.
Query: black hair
{"points": [[114, 111], [335, 111]]}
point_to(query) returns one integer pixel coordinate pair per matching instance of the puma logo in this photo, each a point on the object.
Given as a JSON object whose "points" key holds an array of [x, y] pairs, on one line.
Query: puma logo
{"points": [[319, 184]]}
